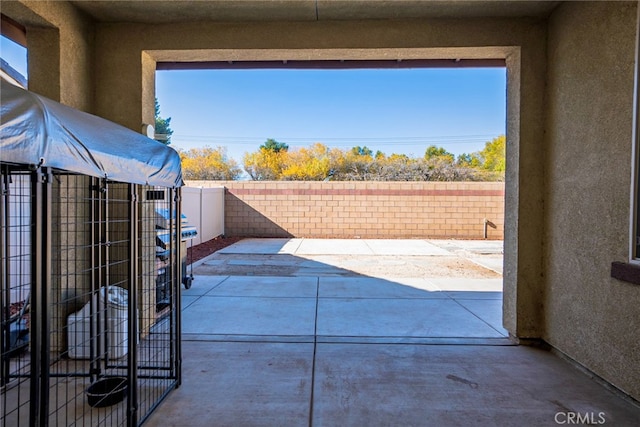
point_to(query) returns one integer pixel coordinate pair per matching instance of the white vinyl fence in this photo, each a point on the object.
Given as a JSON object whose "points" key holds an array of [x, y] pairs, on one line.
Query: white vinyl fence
{"points": [[204, 208]]}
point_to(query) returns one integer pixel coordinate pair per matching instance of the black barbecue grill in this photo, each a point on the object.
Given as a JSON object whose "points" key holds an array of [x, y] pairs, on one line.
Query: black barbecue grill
{"points": [[163, 250]]}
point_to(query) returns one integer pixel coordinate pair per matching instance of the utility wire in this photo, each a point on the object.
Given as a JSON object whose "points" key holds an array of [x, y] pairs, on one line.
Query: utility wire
{"points": [[334, 141]]}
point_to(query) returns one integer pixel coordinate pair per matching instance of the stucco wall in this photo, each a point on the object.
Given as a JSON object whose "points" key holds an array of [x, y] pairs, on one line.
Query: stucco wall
{"points": [[589, 316], [362, 209], [60, 52]]}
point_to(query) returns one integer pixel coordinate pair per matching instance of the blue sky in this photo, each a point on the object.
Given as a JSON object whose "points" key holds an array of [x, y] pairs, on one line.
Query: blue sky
{"points": [[392, 110], [14, 54]]}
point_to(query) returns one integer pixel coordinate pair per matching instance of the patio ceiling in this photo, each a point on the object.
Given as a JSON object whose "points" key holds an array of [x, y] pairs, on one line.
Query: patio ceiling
{"points": [[165, 12]]}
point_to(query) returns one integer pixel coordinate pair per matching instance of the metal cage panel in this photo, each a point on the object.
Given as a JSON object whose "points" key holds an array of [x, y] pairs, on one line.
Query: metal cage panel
{"points": [[91, 279], [16, 233]]}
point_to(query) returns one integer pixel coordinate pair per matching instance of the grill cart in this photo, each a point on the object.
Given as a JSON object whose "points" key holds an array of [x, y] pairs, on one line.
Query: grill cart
{"points": [[164, 231]]}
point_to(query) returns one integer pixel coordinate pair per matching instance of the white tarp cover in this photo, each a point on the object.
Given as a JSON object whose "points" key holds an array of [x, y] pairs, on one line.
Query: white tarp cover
{"points": [[35, 130]]}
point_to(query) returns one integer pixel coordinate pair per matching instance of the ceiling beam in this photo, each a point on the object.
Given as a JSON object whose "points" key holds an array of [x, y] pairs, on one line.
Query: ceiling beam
{"points": [[332, 64]]}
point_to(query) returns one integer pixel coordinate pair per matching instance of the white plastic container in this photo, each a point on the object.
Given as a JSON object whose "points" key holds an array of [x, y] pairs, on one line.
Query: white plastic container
{"points": [[113, 331]]}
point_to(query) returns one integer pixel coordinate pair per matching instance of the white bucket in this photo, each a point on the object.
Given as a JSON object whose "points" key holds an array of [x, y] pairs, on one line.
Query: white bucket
{"points": [[113, 331]]}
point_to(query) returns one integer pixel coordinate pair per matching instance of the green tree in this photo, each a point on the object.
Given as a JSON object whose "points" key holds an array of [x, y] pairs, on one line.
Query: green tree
{"points": [[438, 153], [362, 151], [163, 127], [275, 146], [472, 160]]}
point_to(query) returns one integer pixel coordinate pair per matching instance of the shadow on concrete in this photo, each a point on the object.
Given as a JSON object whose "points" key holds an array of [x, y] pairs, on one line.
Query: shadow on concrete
{"points": [[284, 333]]}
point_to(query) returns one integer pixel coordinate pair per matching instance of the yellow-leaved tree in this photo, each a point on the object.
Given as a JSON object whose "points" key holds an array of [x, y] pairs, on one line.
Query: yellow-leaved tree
{"points": [[273, 161], [208, 164], [265, 164], [308, 164], [494, 154]]}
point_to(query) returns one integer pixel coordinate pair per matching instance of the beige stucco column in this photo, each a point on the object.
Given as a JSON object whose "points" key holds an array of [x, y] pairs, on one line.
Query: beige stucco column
{"points": [[43, 58], [126, 87], [523, 311]]}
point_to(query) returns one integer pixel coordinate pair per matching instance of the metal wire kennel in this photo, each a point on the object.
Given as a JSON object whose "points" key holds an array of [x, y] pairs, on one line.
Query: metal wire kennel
{"points": [[90, 298]]}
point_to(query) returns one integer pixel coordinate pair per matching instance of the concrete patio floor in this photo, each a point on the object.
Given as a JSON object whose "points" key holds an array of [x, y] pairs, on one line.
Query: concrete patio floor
{"points": [[300, 332]]}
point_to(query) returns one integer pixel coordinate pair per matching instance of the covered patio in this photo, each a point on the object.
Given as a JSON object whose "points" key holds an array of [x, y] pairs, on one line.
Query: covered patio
{"points": [[366, 332], [571, 262]]}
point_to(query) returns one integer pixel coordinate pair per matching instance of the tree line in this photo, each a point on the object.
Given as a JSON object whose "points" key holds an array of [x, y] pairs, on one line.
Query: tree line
{"points": [[275, 161]]}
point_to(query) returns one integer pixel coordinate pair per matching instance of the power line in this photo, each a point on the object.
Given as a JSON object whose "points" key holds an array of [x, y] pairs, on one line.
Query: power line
{"points": [[339, 141]]}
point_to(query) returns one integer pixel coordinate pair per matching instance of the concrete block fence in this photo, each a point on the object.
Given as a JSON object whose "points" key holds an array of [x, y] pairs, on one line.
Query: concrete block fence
{"points": [[465, 210]]}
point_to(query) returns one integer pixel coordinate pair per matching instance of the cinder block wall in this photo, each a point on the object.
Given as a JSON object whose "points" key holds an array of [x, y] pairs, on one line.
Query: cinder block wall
{"points": [[362, 209]]}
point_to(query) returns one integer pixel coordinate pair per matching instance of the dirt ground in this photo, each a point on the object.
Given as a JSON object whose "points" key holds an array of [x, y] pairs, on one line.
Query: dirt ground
{"points": [[458, 265], [343, 265], [196, 253]]}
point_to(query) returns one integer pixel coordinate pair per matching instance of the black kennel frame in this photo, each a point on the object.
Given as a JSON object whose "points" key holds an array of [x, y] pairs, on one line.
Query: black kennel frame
{"points": [[71, 239]]}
